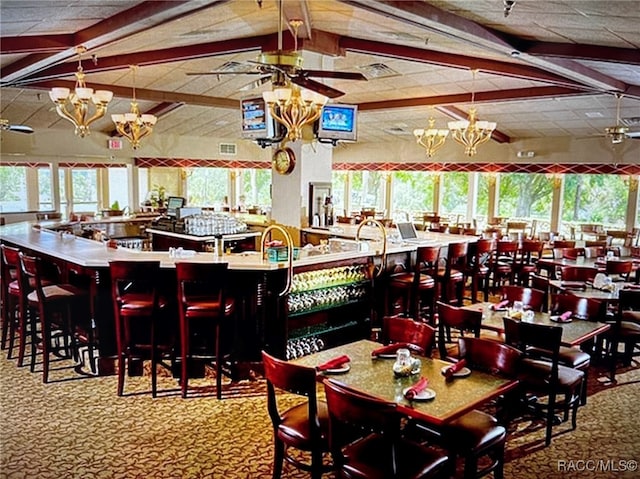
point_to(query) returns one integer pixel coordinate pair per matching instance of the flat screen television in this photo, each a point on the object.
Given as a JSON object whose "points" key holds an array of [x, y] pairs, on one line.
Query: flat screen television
{"points": [[338, 122], [257, 122]]}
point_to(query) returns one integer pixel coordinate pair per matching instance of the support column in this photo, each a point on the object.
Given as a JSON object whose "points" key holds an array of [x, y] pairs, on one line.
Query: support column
{"points": [[632, 203], [557, 183]]}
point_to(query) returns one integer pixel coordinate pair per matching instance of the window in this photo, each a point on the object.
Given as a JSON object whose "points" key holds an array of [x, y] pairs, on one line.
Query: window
{"points": [[84, 189], [367, 190], [455, 186], [45, 189], [412, 193], [13, 188], [207, 186], [119, 187], [255, 187], [600, 199], [339, 181], [525, 196]]}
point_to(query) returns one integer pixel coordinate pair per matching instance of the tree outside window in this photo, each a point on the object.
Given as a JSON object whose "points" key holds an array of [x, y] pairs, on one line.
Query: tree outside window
{"points": [[413, 192]]}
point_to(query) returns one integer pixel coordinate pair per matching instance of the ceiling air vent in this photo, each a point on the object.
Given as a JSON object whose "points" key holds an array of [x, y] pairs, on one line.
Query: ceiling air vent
{"points": [[228, 149], [377, 70], [630, 121]]}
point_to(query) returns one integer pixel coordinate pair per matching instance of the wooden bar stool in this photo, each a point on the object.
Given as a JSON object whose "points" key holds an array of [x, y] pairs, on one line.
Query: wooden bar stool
{"points": [[204, 311], [451, 276], [13, 307], [60, 307], [141, 333], [415, 285]]}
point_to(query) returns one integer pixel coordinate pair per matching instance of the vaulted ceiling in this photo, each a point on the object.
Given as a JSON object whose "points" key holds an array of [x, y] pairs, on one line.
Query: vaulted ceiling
{"points": [[547, 68]]}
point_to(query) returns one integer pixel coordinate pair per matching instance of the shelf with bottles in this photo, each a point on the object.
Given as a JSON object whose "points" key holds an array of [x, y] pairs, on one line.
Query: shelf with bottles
{"points": [[322, 279], [311, 339], [321, 299]]}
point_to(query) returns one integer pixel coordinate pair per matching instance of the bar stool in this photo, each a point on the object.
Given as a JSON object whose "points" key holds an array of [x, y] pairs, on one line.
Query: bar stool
{"points": [[13, 306], [414, 285], [479, 266], [204, 310], [451, 276], [60, 307], [138, 311]]}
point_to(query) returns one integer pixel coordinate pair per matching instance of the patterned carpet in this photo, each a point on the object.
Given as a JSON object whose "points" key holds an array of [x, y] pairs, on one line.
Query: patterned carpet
{"points": [[76, 427]]}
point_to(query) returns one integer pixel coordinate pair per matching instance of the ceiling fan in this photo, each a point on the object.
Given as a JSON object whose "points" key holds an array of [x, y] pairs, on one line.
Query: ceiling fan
{"points": [[618, 133], [281, 67], [6, 126]]}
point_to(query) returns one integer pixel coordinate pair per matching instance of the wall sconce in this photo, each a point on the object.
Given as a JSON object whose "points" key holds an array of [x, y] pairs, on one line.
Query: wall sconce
{"points": [[556, 180], [632, 182], [492, 178]]}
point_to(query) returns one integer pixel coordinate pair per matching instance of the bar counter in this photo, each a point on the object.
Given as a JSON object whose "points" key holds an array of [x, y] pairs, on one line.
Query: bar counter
{"points": [[332, 300]]}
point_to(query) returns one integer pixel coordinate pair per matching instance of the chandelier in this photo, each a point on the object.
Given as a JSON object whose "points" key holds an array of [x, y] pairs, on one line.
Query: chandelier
{"points": [[134, 126], [618, 133], [74, 106], [471, 133], [294, 107], [431, 138]]}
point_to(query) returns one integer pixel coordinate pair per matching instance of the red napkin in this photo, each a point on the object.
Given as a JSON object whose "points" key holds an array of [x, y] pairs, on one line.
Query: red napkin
{"points": [[334, 363], [454, 368], [389, 349], [566, 315], [500, 305], [417, 388]]}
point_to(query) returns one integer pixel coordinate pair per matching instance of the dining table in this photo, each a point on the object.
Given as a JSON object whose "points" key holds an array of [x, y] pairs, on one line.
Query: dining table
{"points": [[551, 265], [586, 289], [574, 332], [374, 376]]}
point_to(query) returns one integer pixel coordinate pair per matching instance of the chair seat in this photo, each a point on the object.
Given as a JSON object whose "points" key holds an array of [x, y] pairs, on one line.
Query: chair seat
{"points": [[368, 458], [139, 304], [473, 432], [535, 373], [629, 329], [572, 357], [14, 286], [527, 268], [294, 428], [58, 292], [207, 308], [455, 275]]}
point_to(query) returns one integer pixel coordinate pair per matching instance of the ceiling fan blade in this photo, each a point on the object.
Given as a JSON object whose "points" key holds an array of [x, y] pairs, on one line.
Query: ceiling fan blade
{"points": [[224, 73], [332, 74], [256, 83], [316, 86], [21, 129]]}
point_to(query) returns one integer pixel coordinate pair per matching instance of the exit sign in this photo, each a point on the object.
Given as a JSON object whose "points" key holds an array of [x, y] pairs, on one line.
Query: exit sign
{"points": [[114, 143]]}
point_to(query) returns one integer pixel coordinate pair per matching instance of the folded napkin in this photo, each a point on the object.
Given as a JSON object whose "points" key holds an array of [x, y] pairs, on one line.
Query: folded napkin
{"points": [[417, 388], [454, 368], [334, 363], [566, 315], [500, 305], [389, 349]]}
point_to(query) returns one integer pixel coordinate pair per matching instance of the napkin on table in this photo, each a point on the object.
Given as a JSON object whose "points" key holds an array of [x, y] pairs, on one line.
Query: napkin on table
{"points": [[389, 349], [333, 363], [566, 315], [454, 368], [500, 305], [417, 388]]}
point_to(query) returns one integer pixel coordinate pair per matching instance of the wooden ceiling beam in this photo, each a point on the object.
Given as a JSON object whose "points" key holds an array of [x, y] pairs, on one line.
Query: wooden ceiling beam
{"points": [[139, 18], [433, 19], [628, 56], [36, 44]]}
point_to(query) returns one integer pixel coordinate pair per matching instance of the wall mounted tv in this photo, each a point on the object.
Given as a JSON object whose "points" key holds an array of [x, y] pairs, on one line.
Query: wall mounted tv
{"points": [[257, 122], [338, 122]]}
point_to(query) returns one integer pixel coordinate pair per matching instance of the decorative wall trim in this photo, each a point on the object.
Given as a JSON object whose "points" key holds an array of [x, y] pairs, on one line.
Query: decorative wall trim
{"points": [[195, 163]]}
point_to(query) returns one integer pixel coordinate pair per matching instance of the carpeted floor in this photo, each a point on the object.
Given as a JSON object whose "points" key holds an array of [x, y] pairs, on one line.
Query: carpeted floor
{"points": [[76, 427]]}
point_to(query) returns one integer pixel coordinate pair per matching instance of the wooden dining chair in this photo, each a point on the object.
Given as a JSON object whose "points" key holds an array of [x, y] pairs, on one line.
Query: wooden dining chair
{"points": [[625, 329], [619, 270], [366, 440], [578, 273], [396, 329], [504, 265], [477, 434], [459, 319], [526, 264], [479, 267], [303, 427], [531, 298], [451, 275], [545, 377]]}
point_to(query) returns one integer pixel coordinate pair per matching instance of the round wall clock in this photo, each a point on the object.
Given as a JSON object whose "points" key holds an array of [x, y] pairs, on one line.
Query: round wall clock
{"points": [[284, 160]]}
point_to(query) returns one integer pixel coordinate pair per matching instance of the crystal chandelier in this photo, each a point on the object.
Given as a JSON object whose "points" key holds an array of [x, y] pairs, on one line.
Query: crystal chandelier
{"points": [[471, 133], [618, 133], [431, 138], [134, 126], [294, 107], [74, 106]]}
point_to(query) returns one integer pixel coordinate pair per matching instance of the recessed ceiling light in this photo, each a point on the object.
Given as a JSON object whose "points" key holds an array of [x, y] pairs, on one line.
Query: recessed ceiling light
{"points": [[630, 121], [594, 114]]}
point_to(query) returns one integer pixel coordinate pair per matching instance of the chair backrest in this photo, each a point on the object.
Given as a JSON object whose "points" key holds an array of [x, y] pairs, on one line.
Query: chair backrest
{"points": [[396, 329], [457, 318], [523, 335], [481, 253], [292, 378], [456, 257], [531, 298], [355, 414], [31, 274], [202, 280], [541, 283], [581, 308], [531, 251], [621, 268], [10, 263], [628, 300], [573, 253], [578, 273], [490, 356], [427, 260]]}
